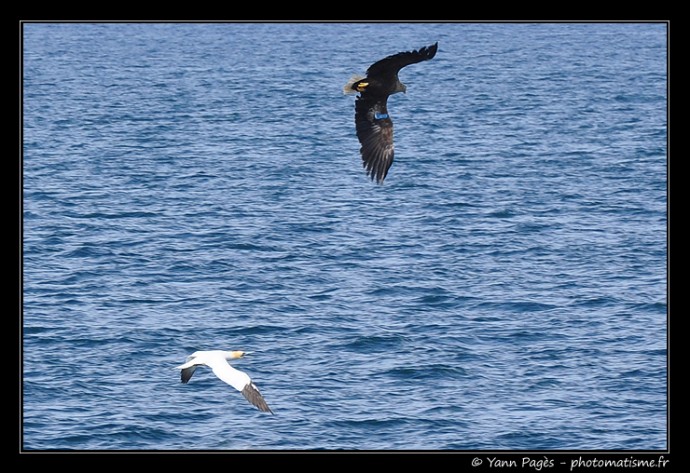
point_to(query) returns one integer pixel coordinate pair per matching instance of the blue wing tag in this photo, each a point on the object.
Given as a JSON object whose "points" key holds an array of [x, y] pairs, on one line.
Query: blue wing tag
{"points": [[380, 116]]}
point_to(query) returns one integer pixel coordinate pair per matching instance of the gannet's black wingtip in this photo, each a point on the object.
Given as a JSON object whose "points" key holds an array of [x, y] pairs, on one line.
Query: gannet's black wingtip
{"points": [[252, 394]]}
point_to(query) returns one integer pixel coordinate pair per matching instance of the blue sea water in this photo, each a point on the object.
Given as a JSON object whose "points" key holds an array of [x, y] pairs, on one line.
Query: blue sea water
{"points": [[199, 186]]}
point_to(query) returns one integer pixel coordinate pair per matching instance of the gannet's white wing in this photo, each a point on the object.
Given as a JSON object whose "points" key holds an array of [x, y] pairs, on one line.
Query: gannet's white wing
{"points": [[240, 381], [192, 360], [221, 368]]}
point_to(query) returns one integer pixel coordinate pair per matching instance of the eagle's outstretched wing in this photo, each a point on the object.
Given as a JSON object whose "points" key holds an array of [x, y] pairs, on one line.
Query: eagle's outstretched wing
{"points": [[375, 133], [395, 62]]}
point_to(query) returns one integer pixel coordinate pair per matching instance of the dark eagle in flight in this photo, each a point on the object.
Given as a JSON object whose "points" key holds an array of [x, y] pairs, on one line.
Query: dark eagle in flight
{"points": [[374, 126]]}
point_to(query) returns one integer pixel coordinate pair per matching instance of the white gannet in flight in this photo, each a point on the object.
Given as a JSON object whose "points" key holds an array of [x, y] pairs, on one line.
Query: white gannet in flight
{"points": [[217, 361]]}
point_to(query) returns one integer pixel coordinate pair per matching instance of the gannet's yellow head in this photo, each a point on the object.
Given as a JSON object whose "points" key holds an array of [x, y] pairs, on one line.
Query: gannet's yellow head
{"points": [[237, 354]]}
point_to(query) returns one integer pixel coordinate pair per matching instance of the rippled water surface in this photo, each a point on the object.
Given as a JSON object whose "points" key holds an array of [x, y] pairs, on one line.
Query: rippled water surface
{"points": [[198, 186]]}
